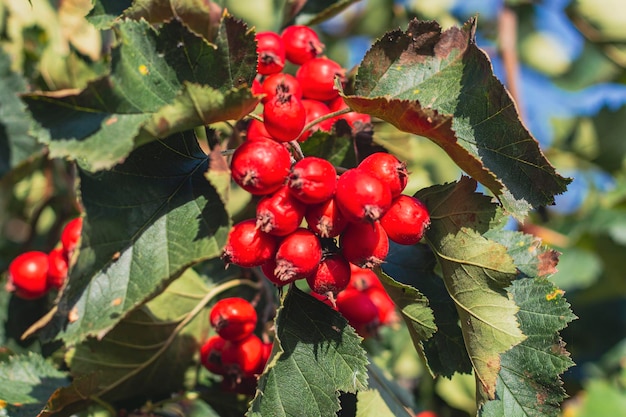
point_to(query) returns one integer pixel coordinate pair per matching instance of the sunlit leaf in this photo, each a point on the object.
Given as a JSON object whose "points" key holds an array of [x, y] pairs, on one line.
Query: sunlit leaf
{"points": [[146, 222], [318, 355], [441, 85]]}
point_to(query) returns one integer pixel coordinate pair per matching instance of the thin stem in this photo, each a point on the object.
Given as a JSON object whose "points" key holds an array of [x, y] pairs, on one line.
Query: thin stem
{"points": [[326, 117], [256, 117], [507, 29]]}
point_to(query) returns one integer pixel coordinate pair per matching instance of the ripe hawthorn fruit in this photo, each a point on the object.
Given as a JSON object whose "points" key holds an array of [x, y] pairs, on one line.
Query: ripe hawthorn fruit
{"points": [[242, 358], [233, 318], [364, 244], [325, 218], [314, 110], [361, 197], [28, 273], [317, 78], [247, 246], [298, 255], [331, 277], [388, 169], [359, 310], [279, 213], [284, 117], [271, 53], [260, 166], [384, 304], [71, 234], [211, 354], [281, 84], [256, 130], [57, 268], [406, 220], [301, 44], [312, 180], [363, 278]]}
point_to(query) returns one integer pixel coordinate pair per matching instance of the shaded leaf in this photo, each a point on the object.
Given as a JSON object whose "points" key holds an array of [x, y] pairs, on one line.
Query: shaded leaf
{"points": [[383, 397], [76, 396], [440, 85], [337, 148], [161, 82], [137, 218], [17, 143], [143, 354], [317, 355], [105, 12], [476, 272], [315, 12], [528, 382]]}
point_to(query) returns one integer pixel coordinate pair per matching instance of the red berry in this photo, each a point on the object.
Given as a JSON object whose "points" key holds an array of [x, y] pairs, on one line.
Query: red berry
{"points": [[426, 413], [71, 234], [233, 318], [211, 354], [280, 213], [256, 87], [312, 180], [388, 169], [281, 84], [284, 117], [260, 166], [406, 220], [331, 277], [364, 244], [326, 219], [298, 255], [355, 120], [362, 197], [271, 53], [28, 273], [301, 44], [359, 310], [314, 110], [363, 278], [57, 268], [317, 78], [241, 358], [384, 304], [256, 130], [247, 246]]}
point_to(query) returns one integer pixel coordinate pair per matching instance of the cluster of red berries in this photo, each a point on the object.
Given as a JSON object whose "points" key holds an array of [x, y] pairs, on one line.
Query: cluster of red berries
{"points": [[292, 101], [235, 352], [32, 274]]}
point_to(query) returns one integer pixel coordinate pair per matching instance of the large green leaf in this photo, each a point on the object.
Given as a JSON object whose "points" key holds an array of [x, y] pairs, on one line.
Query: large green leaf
{"points": [[317, 355], [162, 82], [146, 221], [537, 391], [17, 143], [476, 272], [145, 354], [441, 85]]}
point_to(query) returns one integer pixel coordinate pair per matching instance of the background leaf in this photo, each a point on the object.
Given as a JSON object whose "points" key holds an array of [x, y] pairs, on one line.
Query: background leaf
{"points": [[440, 85], [317, 355], [137, 215]]}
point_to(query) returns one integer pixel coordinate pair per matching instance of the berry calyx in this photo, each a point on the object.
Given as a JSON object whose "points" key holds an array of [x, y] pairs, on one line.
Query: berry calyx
{"points": [[281, 84], [326, 219], [362, 197], [406, 220], [301, 44], [70, 235], [211, 354], [271, 53], [247, 246], [365, 245], [279, 213], [331, 277], [233, 318], [298, 255], [312, 180], [28, 273], [260, 166], [388, 169]]}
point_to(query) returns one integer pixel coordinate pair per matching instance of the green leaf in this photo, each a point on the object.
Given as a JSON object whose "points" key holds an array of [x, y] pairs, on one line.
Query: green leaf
{"points": [[17, 143], [105, 12], [441, 85], [29, 379], [382, 398], [476, 272], [162, 82], [145, 354], [146, 222], [537, 391], [318, 355], [337, 148], [444, 351], [602, 398]]}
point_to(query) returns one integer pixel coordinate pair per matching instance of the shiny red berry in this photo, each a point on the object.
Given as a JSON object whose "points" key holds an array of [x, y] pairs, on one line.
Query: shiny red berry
{"points": [[388, 169], [325, 218], [317, 78], [312, 180], [271, 53], [57, 268], [406, 220], [364, 244], [233, 318], [298, 255], [247, 246], [363, 278], [331, 277], [28, 273], [71, 234], [284, 117], [301, 44], [357, 121], [359, 310], [241, 358], [314, 110], [260, 166], [362, 197], [211, 354], [279, 213], [256, 130], [385, 305]]}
